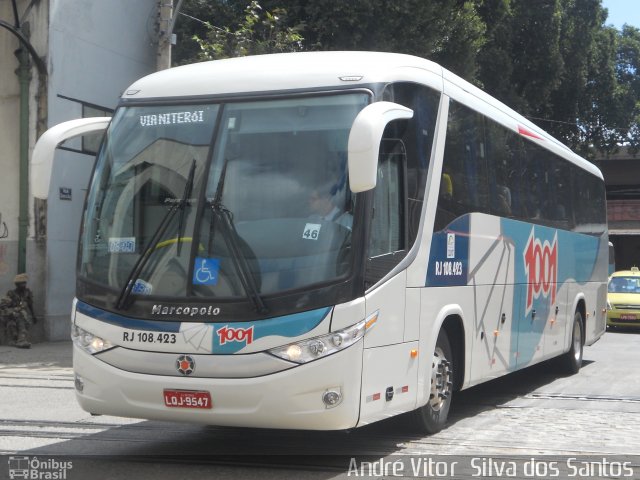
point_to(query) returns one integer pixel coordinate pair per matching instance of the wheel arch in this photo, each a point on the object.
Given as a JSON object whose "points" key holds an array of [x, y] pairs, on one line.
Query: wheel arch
{"points": [[451, 319], [454, 327]]}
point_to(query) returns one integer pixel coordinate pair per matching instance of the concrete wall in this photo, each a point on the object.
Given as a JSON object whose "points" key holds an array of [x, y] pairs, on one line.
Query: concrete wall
{"points": [[97, 49], [93, 50], [9, 148], [34, 22]]}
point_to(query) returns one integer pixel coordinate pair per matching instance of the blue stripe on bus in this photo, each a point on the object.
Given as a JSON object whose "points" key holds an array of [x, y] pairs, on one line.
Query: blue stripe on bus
{"points": [[289, 326]]}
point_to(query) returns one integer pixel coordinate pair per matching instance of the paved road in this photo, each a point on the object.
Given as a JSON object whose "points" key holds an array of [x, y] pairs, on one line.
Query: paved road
{"points": [[534, 412]]}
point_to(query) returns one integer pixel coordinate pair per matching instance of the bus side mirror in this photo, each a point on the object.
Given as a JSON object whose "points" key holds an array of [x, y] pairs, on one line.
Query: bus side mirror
{"points": [[45, 149], [364, 142]]}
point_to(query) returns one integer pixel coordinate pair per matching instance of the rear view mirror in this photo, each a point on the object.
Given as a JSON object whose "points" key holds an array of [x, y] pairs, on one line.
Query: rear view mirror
{"points": [[364, 142], [44, 151]]}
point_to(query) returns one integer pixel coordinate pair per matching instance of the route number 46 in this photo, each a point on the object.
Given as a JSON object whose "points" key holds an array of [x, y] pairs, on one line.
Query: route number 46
{"points": [[311, 231]]}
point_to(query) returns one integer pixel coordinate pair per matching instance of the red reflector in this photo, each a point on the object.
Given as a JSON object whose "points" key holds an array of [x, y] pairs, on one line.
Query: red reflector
{"points": [[528, 133], [376, 396], [405, 389]]}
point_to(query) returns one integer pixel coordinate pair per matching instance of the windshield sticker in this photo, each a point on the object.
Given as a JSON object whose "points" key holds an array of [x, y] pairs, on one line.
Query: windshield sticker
{"points": [[142, 288], [122, 245], [311, 231], [172, 118], [205, 271]]}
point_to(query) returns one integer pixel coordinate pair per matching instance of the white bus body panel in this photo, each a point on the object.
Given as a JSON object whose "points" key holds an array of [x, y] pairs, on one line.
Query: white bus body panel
{"points": [[390, 363], [287, 399]]}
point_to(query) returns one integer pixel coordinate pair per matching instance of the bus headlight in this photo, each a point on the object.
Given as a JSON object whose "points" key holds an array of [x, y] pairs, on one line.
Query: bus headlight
{"points": [[89, 342], [319, 347]]}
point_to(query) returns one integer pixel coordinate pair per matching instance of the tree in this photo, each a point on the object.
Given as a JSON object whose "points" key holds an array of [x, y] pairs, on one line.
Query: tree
{"points": [[554, 61], [259, 31], [449, 32], [628, 91], [495, 65], [572, 102], [196, 18]]}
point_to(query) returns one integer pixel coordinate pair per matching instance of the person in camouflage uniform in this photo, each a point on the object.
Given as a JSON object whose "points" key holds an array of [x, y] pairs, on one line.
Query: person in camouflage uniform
{"points": [[17, 309]]}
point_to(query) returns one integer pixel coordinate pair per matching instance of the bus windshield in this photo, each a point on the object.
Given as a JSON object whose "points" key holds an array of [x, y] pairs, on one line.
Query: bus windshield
{"points": [[243, 199]]}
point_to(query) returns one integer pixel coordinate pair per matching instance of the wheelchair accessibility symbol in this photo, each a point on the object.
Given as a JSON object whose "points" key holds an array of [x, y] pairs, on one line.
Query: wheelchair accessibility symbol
{"points": [[205, 271]]}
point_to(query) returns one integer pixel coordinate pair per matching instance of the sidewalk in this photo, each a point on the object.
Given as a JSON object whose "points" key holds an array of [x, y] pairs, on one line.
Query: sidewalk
{"points": [[47, 354]]}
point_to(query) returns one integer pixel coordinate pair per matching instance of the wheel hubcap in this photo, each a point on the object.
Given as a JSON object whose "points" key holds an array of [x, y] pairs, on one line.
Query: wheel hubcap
{"points": [[441, 380], [577, 341]]}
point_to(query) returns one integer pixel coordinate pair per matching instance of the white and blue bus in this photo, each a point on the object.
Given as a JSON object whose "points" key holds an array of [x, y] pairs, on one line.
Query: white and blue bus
{"points": [[324, 240]]}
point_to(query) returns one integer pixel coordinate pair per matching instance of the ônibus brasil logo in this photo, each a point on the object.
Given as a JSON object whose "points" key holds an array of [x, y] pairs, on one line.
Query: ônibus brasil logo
{"points": [[230, 334], [541, 268]]}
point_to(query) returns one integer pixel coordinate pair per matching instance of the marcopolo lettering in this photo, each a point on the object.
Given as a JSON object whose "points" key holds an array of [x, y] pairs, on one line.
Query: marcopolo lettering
{"points": [[172, 118], [190, 310]]}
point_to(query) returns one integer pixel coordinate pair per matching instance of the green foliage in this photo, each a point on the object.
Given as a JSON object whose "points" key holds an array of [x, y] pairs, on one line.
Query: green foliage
{"points": [[259, 32], [554, 61]]}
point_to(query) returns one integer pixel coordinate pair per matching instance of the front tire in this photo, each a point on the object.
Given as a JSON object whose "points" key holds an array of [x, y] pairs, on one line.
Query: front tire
{"points": [[572, 360], [432, 417]]}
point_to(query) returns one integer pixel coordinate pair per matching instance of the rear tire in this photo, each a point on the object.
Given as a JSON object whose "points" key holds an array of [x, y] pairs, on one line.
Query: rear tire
{"points": [[432, 417], [572, 360]]}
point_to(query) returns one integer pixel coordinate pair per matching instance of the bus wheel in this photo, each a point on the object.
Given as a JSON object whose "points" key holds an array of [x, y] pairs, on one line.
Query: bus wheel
{"points": [[432, 417], [572, 360]]}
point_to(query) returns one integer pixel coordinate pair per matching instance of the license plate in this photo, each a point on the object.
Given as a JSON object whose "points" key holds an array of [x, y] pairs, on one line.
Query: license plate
{"points": [[628, 316], [187, 399]]}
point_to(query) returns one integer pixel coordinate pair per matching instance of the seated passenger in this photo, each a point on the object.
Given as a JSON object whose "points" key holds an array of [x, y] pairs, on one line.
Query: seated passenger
{"points": [[446, 187], [323, 208], [503, 200]]}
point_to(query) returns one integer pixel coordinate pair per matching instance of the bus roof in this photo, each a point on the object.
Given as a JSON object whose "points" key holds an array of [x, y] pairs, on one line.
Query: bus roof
{"points": [[321, 70], [277, 72]]}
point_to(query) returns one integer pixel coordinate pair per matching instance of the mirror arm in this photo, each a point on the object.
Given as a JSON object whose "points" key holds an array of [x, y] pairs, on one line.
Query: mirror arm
{"points": [[44, 150]]}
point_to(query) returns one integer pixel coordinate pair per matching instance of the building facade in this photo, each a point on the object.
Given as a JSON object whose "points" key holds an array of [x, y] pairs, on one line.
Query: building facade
{"points": [[622, 176], [90, 51]]}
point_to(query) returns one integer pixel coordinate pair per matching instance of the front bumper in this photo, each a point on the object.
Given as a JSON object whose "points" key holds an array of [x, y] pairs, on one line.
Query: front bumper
{"points": [[290, 399], [623, 318]]}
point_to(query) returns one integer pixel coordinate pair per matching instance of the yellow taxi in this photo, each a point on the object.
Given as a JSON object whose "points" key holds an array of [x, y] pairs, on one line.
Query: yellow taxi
{"points": [[623, 299]]}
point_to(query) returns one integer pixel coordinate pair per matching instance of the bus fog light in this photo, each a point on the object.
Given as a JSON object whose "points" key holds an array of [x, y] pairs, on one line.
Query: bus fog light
{"points": [[79, 383], [332, 398]]}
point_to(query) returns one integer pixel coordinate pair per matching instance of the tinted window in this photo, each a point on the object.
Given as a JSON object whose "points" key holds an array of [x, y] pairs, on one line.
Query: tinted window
{"points": [[490, 169]]}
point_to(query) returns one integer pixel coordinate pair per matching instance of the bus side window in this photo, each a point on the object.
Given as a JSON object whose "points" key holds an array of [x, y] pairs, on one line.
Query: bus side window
{"points": [[466, 156], [388, 226]]}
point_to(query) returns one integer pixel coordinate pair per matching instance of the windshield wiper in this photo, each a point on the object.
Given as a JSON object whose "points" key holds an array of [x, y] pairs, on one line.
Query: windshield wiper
{"points": [[183, 204], [155, 239], [231, 236], [142, 259]]}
